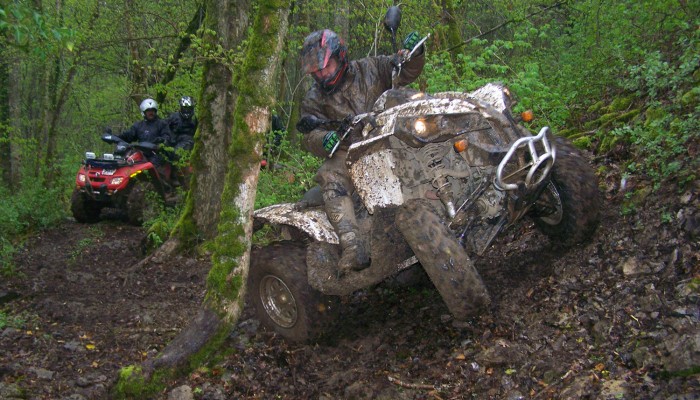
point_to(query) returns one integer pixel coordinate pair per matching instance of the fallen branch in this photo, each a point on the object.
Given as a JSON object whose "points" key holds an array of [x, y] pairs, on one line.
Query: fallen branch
{"points": [[410, 385]]}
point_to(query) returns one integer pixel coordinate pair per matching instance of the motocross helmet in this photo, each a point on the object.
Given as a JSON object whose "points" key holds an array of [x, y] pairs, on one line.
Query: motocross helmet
{"points": [[316, 54], [186, 107], [148, 104]]}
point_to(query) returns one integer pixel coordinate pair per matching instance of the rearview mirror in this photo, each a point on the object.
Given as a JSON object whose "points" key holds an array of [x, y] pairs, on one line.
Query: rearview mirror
{"points": [[392, 20]]}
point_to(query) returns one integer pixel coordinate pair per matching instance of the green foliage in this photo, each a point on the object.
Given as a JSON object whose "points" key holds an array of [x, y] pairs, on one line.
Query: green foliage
{"points": [[132, 384], [28, 29], [290, 174], [158, 229], [31, 208], [11, 321]]}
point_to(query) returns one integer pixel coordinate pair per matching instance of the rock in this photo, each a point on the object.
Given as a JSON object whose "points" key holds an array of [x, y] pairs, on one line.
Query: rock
{"points": [[683, 352], [576, 389], [42, 373], [213, 392], [641, 356], [6, 297], [75, 396], [613, 389], [10, 391], [632, 267], [502, 353], [183, 392]]}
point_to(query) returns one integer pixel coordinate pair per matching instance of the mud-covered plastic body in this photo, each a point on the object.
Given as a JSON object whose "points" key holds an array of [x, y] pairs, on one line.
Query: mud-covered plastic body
{"points": [[437, 177]]}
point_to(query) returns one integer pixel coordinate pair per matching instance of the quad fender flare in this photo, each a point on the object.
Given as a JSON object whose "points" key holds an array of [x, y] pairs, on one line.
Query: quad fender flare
{"points": [[312, 221]]}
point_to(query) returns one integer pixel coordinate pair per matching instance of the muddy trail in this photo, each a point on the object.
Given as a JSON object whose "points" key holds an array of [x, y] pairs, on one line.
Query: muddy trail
{"points": [[615, 318]]}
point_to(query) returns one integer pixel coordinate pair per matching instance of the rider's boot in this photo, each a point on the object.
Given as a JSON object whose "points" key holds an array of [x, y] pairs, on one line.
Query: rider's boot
{"points": [[342, 216]]}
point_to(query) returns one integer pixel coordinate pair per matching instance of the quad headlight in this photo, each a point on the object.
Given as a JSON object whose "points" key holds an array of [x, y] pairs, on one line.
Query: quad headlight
{"points": [[81, 178], [117, 181]]}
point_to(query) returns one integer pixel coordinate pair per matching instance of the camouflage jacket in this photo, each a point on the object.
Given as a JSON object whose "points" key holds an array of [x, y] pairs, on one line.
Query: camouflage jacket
{"points": [[366, 80]]}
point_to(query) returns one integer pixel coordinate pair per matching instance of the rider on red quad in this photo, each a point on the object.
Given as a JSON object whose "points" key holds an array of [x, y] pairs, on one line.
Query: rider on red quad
{"points": [[183, 124], [151, 129], [345, 88]]}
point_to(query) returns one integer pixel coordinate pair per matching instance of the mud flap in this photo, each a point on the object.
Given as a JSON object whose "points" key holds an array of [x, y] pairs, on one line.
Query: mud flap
{"points": [[444, 260]]}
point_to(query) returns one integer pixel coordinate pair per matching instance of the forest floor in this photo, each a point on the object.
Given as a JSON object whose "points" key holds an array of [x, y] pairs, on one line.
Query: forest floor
{"points": [[614, 318]]}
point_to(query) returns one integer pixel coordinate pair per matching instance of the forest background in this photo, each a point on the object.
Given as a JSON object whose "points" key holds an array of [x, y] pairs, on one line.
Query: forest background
{"points": [[619, 78]]}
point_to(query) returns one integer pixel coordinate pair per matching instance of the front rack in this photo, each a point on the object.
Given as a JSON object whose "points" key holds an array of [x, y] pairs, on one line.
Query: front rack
{"points": [[538, 166]]}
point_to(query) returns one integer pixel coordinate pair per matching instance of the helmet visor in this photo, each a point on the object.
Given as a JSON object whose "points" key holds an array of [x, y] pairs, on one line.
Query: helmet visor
{"points": [[315, 58], [187, 111]]}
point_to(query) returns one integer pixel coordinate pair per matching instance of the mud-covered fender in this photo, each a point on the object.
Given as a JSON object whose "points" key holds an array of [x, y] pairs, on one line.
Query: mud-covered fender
{"points": [[312, 221]]}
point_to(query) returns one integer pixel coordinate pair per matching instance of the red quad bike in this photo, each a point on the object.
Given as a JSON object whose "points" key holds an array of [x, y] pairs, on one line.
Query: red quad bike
{"points": [[125, 180]]}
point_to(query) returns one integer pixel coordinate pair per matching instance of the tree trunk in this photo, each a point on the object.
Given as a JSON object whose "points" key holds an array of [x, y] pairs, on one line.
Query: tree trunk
{"points": [[138, 75], [5, 149], [256, 79], [210, 155], [15, 128]]}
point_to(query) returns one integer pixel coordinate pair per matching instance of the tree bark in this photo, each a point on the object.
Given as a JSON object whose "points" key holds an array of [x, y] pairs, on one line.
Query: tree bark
{"points": [[210, 154], [256, 79], [5, 149]]}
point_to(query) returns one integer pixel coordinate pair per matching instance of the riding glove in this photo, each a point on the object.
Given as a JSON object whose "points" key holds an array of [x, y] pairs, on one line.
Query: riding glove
{"points": [[330, 140]]}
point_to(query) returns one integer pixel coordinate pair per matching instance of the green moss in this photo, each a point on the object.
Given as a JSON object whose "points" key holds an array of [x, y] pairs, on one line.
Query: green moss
{"points": [[231, 242], [211, 353], [654, 114], [695, 370], [628, 116], [596, 107], [607, 142], [132, 384], [691, 98], [620, 104], [583, 142]]}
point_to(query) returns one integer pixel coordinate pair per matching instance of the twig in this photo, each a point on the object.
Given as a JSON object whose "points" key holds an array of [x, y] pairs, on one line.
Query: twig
{"points": [[410, 385], [501, 25]]}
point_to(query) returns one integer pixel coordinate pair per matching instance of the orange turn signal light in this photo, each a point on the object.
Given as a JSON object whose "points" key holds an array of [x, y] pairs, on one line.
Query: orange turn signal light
{"points": [[460, 145], [527, 115]]}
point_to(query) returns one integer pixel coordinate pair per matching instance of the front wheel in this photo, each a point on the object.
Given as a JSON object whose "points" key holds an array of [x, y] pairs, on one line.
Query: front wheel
{"points": [[282, 298], [84, 209], [144, 203], [443, 259], [568, 211]]}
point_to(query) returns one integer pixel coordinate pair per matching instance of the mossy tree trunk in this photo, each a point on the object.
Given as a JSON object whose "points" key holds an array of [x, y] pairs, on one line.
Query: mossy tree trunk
{"points": [[243, 127], [210, 156]]}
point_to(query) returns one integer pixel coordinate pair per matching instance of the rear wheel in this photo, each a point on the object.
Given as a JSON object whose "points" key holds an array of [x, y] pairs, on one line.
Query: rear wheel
{"points": [[444, 260], [568, 211], [282, 297], [84, 209], [144, 203]]}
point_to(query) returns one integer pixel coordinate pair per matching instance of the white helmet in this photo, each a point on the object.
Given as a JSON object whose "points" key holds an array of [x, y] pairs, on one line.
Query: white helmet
{"points": [[147, 105]]}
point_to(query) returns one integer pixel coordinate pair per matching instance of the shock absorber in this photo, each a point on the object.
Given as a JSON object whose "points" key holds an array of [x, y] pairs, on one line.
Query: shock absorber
{"points": [[433, 160]]}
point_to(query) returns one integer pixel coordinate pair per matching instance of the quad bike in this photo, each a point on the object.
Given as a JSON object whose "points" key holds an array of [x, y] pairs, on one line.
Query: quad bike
{"points": [[124, 180], [437, 178]]}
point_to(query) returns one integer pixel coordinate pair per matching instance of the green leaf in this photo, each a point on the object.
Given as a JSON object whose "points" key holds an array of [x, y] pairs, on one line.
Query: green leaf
{"points": [[70, 46]]}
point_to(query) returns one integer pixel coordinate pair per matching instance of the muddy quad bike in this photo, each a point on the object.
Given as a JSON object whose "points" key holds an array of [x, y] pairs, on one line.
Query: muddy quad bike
{"points": [[437, 177], [125, 180]]}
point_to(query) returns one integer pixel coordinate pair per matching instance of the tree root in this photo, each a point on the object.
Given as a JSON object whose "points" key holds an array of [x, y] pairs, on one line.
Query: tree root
{"points": [[411, 385]]}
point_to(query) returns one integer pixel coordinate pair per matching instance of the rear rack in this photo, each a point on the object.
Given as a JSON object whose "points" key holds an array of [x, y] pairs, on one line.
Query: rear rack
{"points": [[538, 166]]}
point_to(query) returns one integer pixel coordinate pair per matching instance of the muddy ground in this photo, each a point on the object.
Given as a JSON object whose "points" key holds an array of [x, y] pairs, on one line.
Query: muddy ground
{"points": [[615, 318]]}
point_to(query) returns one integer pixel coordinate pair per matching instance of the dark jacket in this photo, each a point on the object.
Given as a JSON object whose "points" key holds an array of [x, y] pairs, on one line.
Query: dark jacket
{"points": [[366, 80], [183, 130], [155, 131]]}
